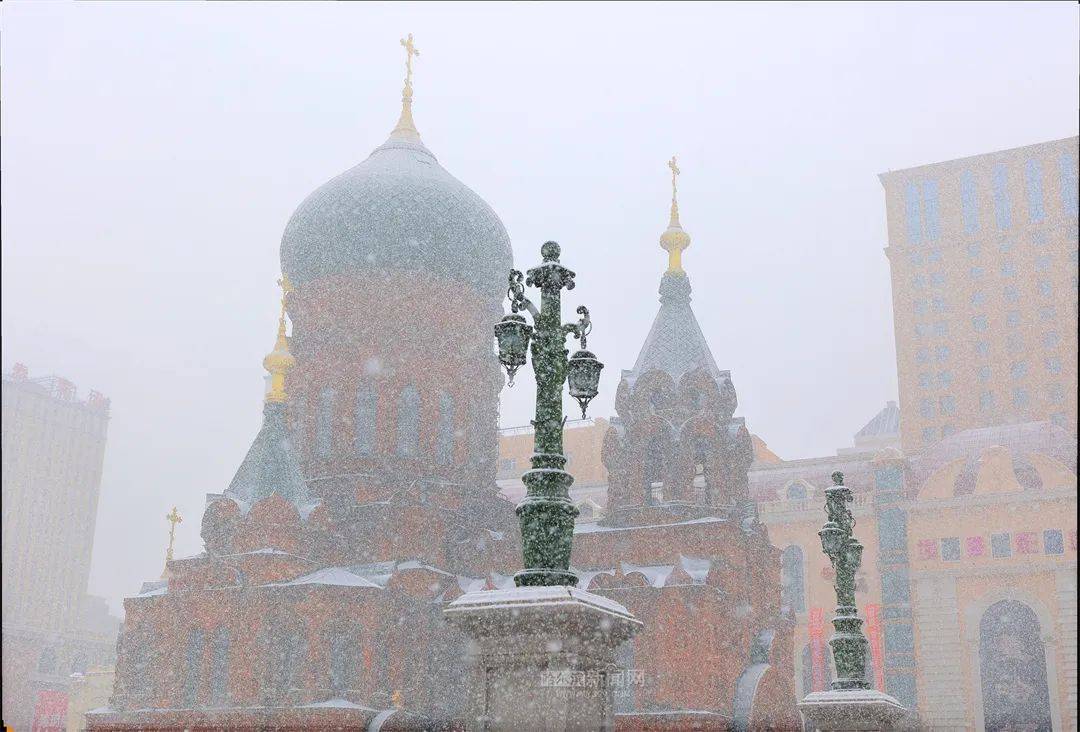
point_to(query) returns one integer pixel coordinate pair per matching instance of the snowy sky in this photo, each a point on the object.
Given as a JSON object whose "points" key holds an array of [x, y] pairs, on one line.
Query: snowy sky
{"points": [[152, 154]]}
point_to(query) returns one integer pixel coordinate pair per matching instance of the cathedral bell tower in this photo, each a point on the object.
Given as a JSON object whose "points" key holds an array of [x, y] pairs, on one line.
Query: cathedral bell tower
{"points": [[675, 450]]}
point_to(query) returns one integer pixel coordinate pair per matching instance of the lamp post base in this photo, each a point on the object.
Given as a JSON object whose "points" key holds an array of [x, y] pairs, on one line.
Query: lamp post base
{"points": [[852, 710], [542, 657]]}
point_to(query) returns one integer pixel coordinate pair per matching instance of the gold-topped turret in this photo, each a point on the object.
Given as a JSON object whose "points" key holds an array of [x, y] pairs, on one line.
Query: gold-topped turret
{"points": [[173, 518], [405, 127], [675, 239], [279, 361]]}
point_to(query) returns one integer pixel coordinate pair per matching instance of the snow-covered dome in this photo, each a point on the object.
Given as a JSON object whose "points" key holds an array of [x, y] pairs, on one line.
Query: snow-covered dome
{"points": [[398, 210]]}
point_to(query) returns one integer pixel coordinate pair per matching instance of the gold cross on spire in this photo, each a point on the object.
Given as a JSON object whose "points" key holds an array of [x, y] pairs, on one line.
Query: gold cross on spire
{"points": [[410, 51], [405, 127], [674, 240], [674, 172], [279, 361], [173, 518]]}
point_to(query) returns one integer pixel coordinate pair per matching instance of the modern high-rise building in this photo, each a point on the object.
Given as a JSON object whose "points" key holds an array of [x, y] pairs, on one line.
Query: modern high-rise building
{"points": [[53, 447], [983, 253]]}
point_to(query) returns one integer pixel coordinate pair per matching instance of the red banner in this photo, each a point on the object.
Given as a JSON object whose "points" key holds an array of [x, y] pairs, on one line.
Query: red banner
{"points": [[50, 712], [877, 646]]}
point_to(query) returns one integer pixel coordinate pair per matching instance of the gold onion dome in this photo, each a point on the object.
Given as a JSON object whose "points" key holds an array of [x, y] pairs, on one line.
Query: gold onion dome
{"points": [[675, 239], [279, 361]]}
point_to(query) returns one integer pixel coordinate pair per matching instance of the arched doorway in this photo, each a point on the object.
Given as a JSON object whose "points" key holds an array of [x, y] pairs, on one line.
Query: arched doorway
{"points": [[1012, 663]]}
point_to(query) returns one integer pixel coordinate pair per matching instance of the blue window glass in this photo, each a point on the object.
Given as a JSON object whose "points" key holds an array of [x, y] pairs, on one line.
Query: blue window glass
{"points": [[969, 202], [1033, 182], [942, 353], [920, 307], [926, 408], [925, 380], [950, 549], [1051, 339], [1015, 342], [408, 421], [793, 579], [934, 255], [982, 348], [1001, 545], [930, 209], [1011, 294], [945, 379], [1047, 313], [947, 430], [1012, 318], [1045, 289], [367, 403], [914, 219], [937, 304], [976, 272], [929, 434], [922, 355], [978, 298], [948, 404], [1042, 263], [324, 433], [1055, 394], [1021, 398], [1053, 365], [1068, 184], [941, 328], [918, 282], [937, 279], [984, 373], [974, 250], [1008, 269], [1053, 542], [922, 329], [986, 400], [1002, 211], [1018, 369], [980, 322], [444, 446]]}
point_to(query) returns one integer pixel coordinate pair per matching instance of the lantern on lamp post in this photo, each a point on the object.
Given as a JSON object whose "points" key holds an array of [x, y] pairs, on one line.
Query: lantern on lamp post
{"points": [[546, 513], [849, 645]]}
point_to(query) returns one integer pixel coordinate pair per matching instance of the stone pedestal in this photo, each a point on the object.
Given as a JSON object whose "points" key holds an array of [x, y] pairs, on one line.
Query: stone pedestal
{"points": [[542, 657], [854, 710]]}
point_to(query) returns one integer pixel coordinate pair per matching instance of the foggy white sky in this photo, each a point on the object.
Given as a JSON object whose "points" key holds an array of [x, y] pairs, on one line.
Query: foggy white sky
{"points": [[152, 154]]}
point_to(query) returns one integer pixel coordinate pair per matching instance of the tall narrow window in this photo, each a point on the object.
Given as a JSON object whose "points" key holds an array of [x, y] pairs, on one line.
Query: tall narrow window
{"points": [[930, 209], [1068, 184], [654, 471], [219, 667], [1002, 210], [324, 422], [914, 218], [444, 440], [969, 202], [343, 657], [1033, 183], [364, 421], [193, 665], [793, 579], [408, 422], [1012, 664]]}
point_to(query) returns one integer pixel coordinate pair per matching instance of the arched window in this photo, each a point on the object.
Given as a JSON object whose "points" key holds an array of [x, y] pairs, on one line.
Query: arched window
{"points": [[408, 422], [344, 656], [324, 423], [444, 441], [1013, 667], [701, 455], [367, 404], [796, 491], [219, 666], [793, 579], [286, 659], [193, 666], [654, 471]]}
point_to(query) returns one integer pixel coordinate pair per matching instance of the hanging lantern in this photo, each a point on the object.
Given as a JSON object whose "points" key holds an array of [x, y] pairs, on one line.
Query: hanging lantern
{"points": [[513, 334], [832, 539], [853, 552], [583, 375]]}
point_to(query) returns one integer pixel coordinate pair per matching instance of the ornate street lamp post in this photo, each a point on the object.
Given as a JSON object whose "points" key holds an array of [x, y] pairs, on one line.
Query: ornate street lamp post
{"points": [[546, 513], [848, 644]]}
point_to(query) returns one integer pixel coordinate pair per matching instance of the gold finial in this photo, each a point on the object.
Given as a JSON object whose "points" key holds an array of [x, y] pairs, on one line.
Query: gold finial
{"points": [[173, 518], [279, 361], [405, 126], [674, 240]]}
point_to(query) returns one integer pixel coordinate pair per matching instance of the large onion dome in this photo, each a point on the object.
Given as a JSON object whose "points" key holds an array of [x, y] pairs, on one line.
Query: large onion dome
{"points": [[399, 210]]}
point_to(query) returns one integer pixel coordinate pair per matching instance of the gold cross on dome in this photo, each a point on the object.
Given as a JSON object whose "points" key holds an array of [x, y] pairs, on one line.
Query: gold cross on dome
{"points": [[674, 172], [410, 51]]}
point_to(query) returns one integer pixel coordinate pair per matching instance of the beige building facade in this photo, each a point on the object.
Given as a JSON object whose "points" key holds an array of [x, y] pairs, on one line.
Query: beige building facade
{"points": [[983, 255], [53, 448]]}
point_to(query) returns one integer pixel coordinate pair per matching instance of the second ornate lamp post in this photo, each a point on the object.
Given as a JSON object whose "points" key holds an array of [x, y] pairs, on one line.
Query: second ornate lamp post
{"points": [[848, 644], [546, 513]]}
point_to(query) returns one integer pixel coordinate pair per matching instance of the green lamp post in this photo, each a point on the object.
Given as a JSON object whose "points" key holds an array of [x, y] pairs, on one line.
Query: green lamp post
{"points": [[849, 645], [546, 513]]}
